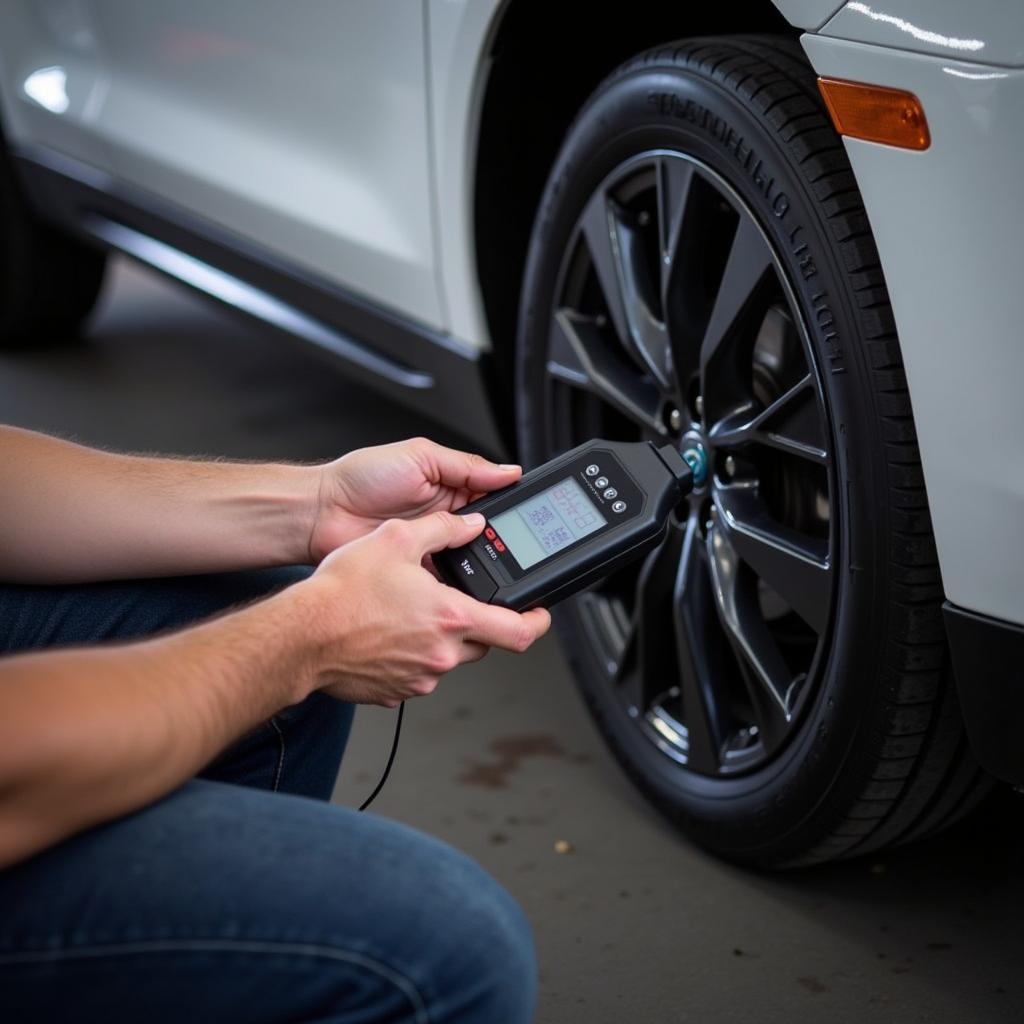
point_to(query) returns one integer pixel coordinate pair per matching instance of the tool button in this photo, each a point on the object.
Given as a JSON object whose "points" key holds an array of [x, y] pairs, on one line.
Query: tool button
{"points": [[593, 469], [611, 493], [601, 481], [475, 578], [489, 533], [618, 506]]}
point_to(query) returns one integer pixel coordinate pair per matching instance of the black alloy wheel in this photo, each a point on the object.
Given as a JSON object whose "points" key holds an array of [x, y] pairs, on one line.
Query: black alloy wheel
{"points": [[712, 641], [688, 281]]}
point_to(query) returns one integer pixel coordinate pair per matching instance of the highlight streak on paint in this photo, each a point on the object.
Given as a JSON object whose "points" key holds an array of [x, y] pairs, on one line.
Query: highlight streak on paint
{"points": [[923, 34]]}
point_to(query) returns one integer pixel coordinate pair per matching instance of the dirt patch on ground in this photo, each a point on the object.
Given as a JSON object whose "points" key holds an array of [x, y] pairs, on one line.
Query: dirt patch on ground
{"points": [[509, 753]]}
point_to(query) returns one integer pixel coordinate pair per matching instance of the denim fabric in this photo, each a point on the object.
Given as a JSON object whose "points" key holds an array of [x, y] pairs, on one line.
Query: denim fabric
{"points": [[243, 896]]}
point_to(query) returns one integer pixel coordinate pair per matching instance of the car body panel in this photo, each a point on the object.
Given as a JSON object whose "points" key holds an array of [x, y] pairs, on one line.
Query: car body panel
{"points": [[983, 32], [53, 81], [949, 226], [302, 126]]}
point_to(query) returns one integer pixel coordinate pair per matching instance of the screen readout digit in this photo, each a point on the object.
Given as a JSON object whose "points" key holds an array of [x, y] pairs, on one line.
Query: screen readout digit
{"points": [[548, 522]]}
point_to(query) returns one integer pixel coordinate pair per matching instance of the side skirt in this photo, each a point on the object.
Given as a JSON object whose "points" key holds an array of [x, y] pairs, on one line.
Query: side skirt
{"points": [[424, 369]]}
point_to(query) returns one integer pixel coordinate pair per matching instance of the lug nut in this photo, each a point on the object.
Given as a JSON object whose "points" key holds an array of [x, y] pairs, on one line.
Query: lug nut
{"points": [[675, 419], [699, 406], [730, 466]]}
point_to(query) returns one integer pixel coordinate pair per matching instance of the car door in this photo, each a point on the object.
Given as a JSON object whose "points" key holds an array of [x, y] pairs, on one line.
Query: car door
{"points": [[300, 127], [52, 80]]}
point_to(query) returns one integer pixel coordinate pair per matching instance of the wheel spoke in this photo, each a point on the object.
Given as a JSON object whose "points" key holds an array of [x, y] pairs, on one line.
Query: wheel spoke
{"points": [[608, 629], [600, 232], [581, 357], [646, 668], [675, 178], [654, 610], [771, 719], [738, 308], [684, 229], [694, 611], [772, 684], [620, 264], [794, 564], [791, 423]]}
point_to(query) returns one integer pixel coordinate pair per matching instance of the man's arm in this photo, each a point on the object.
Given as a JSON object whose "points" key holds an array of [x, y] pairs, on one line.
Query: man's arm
{"points": [[88, 735], [70, 513]]}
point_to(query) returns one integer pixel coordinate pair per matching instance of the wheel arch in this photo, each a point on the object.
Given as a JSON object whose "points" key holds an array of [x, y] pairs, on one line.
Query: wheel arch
{"points": [[536, 84]]}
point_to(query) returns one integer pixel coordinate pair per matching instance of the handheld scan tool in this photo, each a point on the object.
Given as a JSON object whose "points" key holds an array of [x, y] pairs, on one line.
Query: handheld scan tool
{"points": [[566, 524]]}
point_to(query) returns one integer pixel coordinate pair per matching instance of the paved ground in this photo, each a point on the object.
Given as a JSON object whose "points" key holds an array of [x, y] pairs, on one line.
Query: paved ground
{"points": [[634, 924]]}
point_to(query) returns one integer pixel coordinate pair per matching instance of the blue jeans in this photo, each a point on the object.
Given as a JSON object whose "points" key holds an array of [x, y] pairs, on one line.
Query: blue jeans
{"points": [[244, 896]]}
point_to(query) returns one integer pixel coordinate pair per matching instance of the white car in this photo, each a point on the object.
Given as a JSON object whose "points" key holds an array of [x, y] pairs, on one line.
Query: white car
{"points": [[543, 224]]}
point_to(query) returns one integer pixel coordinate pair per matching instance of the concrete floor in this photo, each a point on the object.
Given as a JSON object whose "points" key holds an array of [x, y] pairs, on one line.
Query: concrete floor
{"points": [[634, 924]]}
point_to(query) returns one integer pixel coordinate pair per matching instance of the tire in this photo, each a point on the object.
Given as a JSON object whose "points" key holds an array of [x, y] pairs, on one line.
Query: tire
{"points": [[865, 746], [49, 282]]}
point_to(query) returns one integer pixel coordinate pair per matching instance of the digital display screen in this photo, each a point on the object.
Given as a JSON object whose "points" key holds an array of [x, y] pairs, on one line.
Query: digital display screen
{"points": [[548, 522]]}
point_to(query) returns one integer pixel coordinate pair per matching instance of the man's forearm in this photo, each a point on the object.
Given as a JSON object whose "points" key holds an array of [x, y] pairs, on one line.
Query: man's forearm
{"points": [[88, 735], [70, 513]]}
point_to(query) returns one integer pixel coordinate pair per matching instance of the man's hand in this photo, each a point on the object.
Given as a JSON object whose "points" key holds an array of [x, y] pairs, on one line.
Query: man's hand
{"points": [[387, 629], [405, 480]]}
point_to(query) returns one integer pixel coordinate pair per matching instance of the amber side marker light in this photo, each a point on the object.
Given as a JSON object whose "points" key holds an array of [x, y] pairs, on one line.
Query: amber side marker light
{"points": [[875, 113]]}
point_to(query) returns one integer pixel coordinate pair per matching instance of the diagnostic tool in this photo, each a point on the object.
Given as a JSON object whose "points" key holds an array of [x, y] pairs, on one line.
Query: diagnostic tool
{"points": [[568, 523]]}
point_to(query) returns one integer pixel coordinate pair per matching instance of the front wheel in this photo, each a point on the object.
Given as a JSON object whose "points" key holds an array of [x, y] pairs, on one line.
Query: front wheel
{"points": [[775, 676]]}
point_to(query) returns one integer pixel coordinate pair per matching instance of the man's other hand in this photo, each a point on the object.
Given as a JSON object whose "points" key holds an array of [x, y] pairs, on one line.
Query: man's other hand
{"points": [[405, 480]]}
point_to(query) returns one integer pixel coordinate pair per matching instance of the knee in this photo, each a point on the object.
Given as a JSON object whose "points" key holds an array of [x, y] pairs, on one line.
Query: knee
{"points": [[487, 964], [433, 918], [510, 973]]}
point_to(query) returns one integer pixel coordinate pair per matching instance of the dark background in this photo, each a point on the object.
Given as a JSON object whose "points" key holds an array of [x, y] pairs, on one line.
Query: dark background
{"points": [[633, 924]]}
